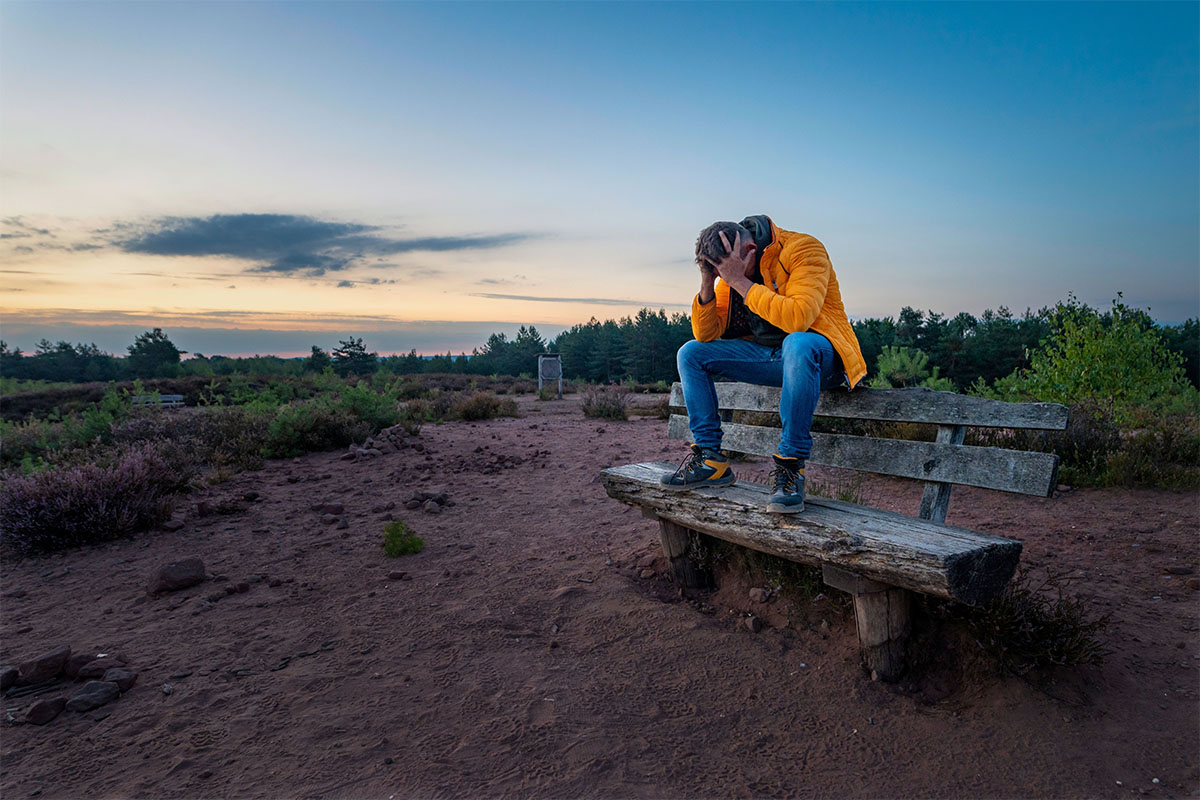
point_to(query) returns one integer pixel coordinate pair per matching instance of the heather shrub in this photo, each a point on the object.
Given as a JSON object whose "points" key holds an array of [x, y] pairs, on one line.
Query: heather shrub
{"points": [[315, 425], [399, 540], [482, 405], [606, 403], [71, 506]]}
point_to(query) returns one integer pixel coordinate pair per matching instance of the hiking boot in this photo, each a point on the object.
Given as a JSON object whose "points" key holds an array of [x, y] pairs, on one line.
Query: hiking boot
{"points": [[787, 481], [704, 467]]}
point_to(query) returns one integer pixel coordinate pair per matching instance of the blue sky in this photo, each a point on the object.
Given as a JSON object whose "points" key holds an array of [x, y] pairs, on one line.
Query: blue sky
{"points": [[260, 177]]}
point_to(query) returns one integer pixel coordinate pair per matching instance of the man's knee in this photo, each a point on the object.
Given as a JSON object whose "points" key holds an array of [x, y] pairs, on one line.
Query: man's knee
{"points": [[689, 354], [802, 348]]}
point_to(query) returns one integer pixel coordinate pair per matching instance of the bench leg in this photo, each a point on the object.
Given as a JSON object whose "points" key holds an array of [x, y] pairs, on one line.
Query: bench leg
{"points": [[882, 616], [883, 625], [676, 542]]}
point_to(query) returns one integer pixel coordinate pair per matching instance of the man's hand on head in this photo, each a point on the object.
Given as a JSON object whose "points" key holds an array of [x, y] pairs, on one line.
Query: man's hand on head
{"points": [[736, 264]]}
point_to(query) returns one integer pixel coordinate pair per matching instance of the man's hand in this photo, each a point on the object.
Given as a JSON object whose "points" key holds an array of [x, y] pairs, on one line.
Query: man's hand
{"points": [[737, 262]]}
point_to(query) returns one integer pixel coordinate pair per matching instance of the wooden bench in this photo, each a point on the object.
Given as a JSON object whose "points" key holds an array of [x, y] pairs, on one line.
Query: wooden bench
{"points": [[165, 400], [877, 556]]}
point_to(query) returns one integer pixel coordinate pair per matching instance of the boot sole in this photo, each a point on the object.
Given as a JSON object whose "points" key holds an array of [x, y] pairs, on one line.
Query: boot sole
{"points": [[779, 508], [721, 484]]}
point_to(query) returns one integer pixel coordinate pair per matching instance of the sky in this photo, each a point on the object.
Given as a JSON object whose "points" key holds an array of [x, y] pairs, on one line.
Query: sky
{"points": [[262, 177]]}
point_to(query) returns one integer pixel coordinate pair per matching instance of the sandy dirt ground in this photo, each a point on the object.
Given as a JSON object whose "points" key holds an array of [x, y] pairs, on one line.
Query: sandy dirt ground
{"points": [[522, 654]]}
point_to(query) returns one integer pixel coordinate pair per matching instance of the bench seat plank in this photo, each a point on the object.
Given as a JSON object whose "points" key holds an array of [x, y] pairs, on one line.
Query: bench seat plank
{"points": [[898, 405], [988, 467], [890, 548]]}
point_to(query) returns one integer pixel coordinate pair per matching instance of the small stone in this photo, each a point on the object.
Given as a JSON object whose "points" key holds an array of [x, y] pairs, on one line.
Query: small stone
{"points": [[44, 667], [77, 662], [441, 498], [348, 457], [242, 588], [824, 626], [1193, 584], [43, 711], [431, 507], [388, 761], [16, 593], [329, 519], [167, 688], [374, 451], [173, 525], [176, 575], [93, 695], [1180, 570], [274, 582], [647, 573], [205, 509], [396, 575], [646, 561], [216, 596], [337, 509], [251, 496], [255, 577], [123, 678], [758, 595], [8, 677], [230, 589], [343, 523], [1062, 487], [466, 546], [753, 624], [412, 505]]}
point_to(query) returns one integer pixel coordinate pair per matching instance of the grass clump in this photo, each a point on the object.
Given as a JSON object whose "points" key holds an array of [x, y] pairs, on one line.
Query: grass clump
{"points": [[1031, 627], [399, 540], [606, 403]]}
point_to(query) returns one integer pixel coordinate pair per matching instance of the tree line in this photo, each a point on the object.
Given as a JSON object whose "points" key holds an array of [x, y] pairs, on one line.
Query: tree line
{"points": [[917, 345]]}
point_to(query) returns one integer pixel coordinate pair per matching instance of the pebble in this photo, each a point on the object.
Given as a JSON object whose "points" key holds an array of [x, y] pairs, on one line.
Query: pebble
{"points": [[167, 688], [251, 496], [431, 507], [396, 575], [274, 582], [93, 695], [43, 711], [646, 561], [329, 519], [753, 624], [173, 525], [95, 669], [647, 573], [8, 677], [1180, 570], [758, 595], [343, 523]]}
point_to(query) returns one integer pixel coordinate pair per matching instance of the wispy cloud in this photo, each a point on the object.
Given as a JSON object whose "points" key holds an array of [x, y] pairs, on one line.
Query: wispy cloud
{"points": [[287, 243], [596, 301]]}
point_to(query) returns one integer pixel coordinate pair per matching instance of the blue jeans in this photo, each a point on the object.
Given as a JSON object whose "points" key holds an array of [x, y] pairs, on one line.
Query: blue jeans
{"points": [[803, 366]]}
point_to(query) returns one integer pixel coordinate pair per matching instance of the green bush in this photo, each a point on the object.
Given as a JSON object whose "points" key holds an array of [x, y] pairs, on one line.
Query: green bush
{"points": [[482, 405], [399, 540], [898, 367], [312, 426]]}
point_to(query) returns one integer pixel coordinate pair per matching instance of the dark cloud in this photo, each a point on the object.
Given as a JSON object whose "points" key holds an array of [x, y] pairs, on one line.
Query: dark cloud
{"points": [[596, 301], [287, 243], [345, 284], [22, 229]]}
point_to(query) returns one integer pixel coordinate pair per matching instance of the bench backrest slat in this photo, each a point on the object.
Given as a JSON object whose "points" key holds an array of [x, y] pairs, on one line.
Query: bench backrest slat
{"points": [[898, 405], [942, 462]]}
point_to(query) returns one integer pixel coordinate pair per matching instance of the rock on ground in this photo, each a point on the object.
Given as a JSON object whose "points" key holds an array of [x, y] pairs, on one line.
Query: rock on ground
{"points": [[123, 678], [8, 677], [93, 695], [175, 576], [45, 666], [43, 711]]}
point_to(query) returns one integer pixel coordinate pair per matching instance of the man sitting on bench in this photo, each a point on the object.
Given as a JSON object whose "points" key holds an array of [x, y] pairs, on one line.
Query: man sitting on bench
{"points": [[774, 318]]}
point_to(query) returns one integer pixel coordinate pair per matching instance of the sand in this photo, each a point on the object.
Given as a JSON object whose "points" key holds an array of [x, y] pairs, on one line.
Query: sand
{"points": [[522, 655]]}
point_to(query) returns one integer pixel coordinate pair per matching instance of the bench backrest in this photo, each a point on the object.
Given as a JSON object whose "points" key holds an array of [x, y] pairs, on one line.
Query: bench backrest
{"points": [[172, 400], [941, 463]]}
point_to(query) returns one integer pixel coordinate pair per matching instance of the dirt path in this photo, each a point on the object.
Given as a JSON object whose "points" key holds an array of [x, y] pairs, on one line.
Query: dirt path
{"points": [[523, 656]]}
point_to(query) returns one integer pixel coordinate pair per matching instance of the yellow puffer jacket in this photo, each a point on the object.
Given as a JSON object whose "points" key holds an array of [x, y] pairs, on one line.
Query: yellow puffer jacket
{"points": [[805, 297]]}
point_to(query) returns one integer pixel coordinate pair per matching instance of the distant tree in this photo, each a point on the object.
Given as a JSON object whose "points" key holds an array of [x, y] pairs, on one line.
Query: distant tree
{"points": [[1185, 340], [152, 354], [350, 357], [317, 360]]}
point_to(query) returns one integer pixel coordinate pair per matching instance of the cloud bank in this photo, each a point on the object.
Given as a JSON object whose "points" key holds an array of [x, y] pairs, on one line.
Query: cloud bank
{"points": [[288, 243]]}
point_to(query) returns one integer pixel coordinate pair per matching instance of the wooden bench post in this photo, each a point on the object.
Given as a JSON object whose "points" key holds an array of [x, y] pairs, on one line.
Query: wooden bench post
{"points": [[676, 542], [881, 614]]}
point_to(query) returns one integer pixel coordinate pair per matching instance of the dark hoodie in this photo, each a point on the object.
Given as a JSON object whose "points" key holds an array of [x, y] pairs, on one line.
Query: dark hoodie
{"points": [[743, 322]]}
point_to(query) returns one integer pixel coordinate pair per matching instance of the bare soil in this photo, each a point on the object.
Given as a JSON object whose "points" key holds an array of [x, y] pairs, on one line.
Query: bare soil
{"points": [[523, 655]]}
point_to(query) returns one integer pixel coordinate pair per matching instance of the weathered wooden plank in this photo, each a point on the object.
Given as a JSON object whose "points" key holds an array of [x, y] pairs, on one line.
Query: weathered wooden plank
{"points": [[676, 541], [890, 548], [935, 501], [987, 467], [898, 405]]}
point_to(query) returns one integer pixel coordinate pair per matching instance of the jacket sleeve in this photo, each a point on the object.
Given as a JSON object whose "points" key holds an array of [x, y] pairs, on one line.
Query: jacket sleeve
{"points": [[800, 300], [708, 319]]}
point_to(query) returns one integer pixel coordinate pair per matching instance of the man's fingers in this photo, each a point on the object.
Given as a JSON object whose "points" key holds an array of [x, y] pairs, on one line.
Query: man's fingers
{"points": [[725, 241]]}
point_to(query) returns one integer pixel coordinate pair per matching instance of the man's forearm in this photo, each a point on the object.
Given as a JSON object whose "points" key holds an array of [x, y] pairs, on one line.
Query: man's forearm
{"points": [[707, 288]]}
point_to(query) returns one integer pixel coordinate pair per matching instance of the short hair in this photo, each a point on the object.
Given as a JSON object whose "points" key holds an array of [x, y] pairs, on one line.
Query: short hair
{"points": [[709, 246]]}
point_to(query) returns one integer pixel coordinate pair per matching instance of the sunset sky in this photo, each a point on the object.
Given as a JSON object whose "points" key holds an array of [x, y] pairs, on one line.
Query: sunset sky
{"points": [[261, 177]]}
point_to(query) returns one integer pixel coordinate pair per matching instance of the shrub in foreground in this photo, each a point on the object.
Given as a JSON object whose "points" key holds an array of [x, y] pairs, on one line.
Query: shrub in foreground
{"points": [[87, 503], [606, 404], [399, 540]]}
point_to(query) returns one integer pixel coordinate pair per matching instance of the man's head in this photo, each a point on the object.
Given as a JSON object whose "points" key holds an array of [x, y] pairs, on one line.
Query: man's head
{"points": [[710, 249]]}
